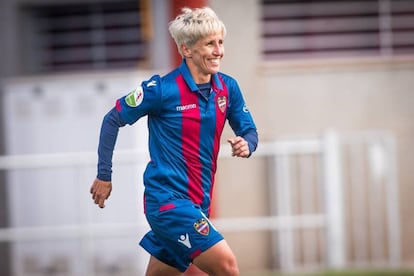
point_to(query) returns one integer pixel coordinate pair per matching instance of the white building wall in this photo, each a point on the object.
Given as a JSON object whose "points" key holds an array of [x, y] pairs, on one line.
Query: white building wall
{"points": [[64, 114]]}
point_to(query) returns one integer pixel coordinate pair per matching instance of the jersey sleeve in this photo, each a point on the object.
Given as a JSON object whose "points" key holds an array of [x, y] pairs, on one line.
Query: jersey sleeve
{"points": [[139, 102], [142, 101], [107, 139]]}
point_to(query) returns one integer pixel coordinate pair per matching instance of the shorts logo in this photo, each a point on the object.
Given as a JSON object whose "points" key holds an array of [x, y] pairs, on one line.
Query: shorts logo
{"points": [[135, 98], [202, 227], [222, 102], [185, 239]]}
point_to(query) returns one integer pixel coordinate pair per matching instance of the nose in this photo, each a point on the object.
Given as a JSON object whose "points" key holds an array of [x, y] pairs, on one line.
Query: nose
{"points": [[218, 49]]}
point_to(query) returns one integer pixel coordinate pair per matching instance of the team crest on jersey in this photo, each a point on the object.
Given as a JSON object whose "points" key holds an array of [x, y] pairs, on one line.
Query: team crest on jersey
{"points": [[135, 98], [222, 103], [202, 227]]}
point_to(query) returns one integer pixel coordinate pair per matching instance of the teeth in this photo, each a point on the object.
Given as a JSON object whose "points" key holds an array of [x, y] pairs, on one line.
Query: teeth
{"points": [[215, 61]]}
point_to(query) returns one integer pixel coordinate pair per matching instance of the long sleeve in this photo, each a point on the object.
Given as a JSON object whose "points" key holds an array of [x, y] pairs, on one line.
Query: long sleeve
{"points": [[252, 139], [107, 140]]}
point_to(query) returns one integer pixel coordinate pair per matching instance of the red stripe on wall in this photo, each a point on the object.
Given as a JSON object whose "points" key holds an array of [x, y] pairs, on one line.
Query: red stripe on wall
{"points": [[191, 140]]}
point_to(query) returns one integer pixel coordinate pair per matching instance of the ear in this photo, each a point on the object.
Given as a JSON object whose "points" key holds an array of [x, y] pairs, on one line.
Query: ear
{"points": [[186, 51]]}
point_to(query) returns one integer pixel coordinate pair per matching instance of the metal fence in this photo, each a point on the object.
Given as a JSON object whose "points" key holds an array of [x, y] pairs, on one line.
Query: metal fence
{"points": [[334, 204], [344, 190]]}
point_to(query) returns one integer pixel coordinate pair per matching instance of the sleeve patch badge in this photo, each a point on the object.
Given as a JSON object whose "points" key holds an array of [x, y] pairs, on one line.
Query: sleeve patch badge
{"points": [[135, 98]]}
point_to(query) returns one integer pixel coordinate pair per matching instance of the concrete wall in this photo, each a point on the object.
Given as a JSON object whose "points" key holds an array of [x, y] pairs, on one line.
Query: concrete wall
{"points": [[308, 97]]}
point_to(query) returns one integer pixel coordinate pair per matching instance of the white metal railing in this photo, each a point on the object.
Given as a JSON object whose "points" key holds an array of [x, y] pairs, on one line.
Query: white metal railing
{"points": [[284, 220]]}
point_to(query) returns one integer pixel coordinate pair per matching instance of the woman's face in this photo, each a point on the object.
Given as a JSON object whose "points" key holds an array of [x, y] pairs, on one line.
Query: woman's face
{"points": [[204, 57]]}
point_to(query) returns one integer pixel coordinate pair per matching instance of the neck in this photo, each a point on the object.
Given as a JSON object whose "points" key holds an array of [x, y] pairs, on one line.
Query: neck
{"points": [[201, 79], [198, 76]]}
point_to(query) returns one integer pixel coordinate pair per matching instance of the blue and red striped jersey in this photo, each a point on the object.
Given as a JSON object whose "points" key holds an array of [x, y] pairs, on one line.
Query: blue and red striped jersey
{"points": [[185, 127]]}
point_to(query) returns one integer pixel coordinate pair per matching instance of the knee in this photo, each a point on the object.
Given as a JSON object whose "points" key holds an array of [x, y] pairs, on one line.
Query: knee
{"points": [[219, 260], [227, 267]]}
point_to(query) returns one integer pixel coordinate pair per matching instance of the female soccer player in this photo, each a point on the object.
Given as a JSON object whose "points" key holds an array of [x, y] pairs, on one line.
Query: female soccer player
{"points": [[187, 110]]}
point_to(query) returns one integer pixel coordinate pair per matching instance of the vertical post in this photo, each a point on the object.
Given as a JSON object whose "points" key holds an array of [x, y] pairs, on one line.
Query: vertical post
{"points": [[160, 14], [393, 217], [284, 209], [357, 168], [385, 27], [307, 197], [332, 178], [5, 247], [273, 192], [376, 197]]}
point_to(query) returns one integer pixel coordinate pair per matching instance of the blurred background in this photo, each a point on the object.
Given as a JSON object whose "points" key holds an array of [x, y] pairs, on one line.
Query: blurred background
{"points": [[329, 83]]}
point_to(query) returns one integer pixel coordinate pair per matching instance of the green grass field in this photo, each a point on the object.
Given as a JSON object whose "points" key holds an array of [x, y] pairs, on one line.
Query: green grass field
{"points": [[342, 273], [365, 273]]}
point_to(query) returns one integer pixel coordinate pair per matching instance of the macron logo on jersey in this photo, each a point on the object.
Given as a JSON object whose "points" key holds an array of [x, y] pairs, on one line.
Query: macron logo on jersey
{"points": [[186, 107]]}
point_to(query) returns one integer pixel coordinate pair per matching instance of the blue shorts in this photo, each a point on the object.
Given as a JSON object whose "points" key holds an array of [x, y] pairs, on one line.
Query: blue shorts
{"points": [[180, 231]]}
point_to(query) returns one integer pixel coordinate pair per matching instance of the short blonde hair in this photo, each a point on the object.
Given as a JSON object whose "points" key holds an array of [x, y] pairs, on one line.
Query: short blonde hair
{"points": [[193, 24]]}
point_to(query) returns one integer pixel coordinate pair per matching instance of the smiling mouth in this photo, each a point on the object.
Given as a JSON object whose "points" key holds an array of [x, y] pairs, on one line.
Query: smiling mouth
{"points": [[215, 61]]}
